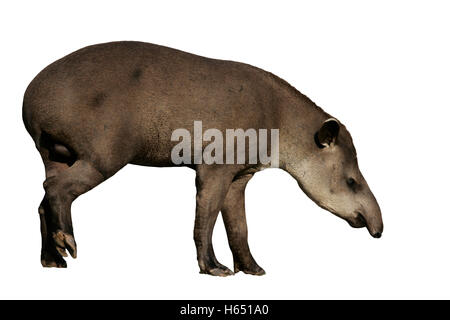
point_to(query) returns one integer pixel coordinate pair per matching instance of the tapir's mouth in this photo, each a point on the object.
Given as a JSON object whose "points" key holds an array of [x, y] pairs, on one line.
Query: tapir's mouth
{"points": [[360, 222]]}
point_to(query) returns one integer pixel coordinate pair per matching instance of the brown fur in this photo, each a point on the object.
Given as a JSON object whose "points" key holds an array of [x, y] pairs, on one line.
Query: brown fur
{"points": [[105, 106]]}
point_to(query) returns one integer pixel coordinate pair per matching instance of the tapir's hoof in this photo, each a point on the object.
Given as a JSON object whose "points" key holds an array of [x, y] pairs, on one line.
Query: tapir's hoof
{"points": [[259, 272], [52, 261], [253, 270], [221, 271], [65, 241]]}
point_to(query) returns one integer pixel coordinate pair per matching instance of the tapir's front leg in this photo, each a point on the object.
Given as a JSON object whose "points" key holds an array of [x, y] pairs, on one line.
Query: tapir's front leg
{"points": [[233, 213], [212, 184]]}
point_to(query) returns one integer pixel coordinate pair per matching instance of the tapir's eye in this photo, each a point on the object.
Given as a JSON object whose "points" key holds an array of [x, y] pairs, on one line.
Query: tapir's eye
{"points": [[351, 183]]}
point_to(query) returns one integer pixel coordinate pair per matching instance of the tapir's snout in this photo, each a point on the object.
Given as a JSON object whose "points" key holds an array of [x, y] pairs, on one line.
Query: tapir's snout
{"points": [[373, 220], [376, 232], [368, 213], [377, 235], [373, 224], [375, 228]]}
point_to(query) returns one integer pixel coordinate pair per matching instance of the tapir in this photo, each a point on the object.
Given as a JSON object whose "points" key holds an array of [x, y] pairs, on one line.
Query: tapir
{"points": [[108, 105]]}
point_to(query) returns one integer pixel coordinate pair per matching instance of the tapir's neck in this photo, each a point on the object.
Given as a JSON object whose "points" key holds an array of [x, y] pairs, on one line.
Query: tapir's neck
{"points": [[300, 118]]}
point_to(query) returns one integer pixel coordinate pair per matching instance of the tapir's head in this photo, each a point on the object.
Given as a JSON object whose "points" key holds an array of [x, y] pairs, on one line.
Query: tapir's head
{"points": [[330, 176]]}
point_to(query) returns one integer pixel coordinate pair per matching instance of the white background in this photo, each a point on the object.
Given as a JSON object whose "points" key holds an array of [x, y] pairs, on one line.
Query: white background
{"points": [[381, 67]]}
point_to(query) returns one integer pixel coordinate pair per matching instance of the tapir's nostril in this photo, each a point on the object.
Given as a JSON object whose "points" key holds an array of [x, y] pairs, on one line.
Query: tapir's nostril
{"points": [[377, 235]]}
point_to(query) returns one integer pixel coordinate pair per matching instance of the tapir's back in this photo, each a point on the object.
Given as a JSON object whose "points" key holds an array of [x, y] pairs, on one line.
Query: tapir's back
{"points": [[130, 96]]}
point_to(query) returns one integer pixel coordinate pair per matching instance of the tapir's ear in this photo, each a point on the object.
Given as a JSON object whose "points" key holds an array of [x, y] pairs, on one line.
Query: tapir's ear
{"points": [[328, 133]]}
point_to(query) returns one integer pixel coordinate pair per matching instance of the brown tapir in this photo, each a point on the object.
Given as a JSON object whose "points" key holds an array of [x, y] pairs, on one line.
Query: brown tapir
{"points": [[104, 106]]}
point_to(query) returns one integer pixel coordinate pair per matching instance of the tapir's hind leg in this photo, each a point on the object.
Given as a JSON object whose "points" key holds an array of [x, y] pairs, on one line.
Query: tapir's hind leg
{"points": [[67, 177], [62, 186], [212, 184], [233, 213]]}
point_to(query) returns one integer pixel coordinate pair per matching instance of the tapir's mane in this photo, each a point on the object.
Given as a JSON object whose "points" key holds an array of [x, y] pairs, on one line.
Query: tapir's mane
{"points": [[288, 87], [347, 140]]}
